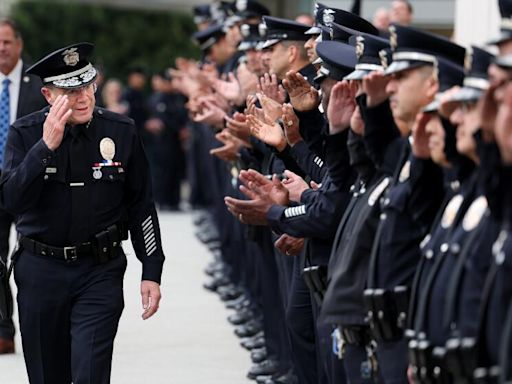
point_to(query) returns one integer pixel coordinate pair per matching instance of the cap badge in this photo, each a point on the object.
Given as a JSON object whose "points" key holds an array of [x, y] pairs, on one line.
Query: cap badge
{"points": [[241, 5], [383, 55], [393, 39], [245, 30], [107, 148], [328, 16], [315, 11], [359, 46], [71, 57], [262, 29], [468, 60]]}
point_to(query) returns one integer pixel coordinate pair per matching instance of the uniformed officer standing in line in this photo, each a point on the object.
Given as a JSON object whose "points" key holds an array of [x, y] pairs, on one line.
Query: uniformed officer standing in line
{"points": [[76, 178], [19, 95]]}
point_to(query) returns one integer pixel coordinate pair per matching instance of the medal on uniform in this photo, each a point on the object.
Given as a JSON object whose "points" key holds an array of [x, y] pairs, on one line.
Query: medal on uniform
{"points": [[107, 149], [97, 173]]}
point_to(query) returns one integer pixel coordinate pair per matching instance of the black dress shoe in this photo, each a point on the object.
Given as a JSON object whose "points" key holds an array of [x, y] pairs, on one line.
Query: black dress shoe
{"points": [[238, 304], [258, 355], [249, 329], [287, 378], [214, 267], [265, 368], [241, 317], [231, 293], [255, 342], [219, 280]]}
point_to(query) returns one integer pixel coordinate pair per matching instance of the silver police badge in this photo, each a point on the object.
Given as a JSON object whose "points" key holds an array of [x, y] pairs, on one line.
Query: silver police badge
{"points": [[474, 214], [359, 46], [71, 57], [451, 211], [393, 38], [107, 148], [328, 16]]}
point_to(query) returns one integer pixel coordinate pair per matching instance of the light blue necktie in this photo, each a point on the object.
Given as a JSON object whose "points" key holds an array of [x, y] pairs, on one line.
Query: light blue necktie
{"points": [[5, 116]]}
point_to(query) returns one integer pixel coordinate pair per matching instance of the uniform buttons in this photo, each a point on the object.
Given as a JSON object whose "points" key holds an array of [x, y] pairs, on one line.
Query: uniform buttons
{"points": [[46, 177], [110, 177], [100, 111], [383, 216], [352, 188], [386, 201], [500, 258], [429, 254], [45, 161], [355, 194], [455, 248], [444, 247], [363, 190]]}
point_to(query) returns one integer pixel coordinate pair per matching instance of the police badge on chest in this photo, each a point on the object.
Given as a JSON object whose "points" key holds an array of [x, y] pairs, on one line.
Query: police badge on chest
{"points": [[107, 149]]}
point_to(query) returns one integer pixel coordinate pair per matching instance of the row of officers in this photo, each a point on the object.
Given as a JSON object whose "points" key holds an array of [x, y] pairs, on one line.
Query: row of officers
{"points": [[381, 161]]}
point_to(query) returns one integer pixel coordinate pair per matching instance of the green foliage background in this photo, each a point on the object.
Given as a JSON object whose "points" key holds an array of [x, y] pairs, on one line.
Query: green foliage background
{"points": [[123, 38]]}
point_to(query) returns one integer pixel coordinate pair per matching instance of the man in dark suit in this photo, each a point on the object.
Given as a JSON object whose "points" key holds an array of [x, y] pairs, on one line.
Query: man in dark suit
{"points": [[20, 94]]}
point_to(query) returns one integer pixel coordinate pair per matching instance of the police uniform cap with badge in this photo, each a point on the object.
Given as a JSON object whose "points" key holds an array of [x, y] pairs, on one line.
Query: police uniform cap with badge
{"points": [[505, 23], [367, 51], [338, 60], [245, 10], [278, 29], [209, 36], [413, 48], [476, 79], [251, 37], [352, 22]]}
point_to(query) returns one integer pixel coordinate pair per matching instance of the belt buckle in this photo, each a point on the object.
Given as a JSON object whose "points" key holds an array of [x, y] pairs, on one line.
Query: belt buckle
{"points": [[71, 256]]}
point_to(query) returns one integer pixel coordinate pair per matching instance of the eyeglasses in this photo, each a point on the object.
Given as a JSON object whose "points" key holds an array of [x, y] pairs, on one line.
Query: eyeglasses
{"points": [[75, 92]]}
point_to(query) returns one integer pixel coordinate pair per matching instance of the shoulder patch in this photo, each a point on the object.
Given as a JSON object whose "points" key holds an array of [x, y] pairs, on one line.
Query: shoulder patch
{"points": [[474, 214], [109, 115], [451, 210]]}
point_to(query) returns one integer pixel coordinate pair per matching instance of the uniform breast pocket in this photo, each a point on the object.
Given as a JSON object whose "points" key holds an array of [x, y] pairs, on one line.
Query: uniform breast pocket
{"points": [[107, 188]]}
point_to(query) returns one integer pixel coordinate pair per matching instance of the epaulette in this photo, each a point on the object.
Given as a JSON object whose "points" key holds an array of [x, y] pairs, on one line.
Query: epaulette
{"points": [[112, 116], [34, 118]]}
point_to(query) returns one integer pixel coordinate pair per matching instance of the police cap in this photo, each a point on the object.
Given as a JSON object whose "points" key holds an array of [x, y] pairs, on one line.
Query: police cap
{"points": [[367, 51], [413, 48], [339, 60], [277, 29], [209, 36], [68, 67]]}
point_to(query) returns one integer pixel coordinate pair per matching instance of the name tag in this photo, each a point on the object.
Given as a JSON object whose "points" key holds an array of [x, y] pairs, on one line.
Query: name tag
{"points": [[51, 170]]}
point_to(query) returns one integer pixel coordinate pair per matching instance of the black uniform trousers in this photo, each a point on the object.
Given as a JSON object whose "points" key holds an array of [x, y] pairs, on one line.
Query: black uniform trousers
{"points": [[69, 313], [6, 219]]}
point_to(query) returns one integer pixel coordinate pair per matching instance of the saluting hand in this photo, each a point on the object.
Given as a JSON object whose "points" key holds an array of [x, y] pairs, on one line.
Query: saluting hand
{"points": [[150, 293], [53, 127], [303, 96]]}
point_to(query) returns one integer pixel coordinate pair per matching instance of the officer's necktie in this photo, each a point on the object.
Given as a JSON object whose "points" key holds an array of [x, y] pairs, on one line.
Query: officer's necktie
{"points": [[78, 178], [5, 116]]}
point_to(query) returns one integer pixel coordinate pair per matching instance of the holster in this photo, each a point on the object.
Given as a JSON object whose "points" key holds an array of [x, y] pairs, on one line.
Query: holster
{"points": [[461, 359], [427, 363], [386, 313], [316, 280], [486, 375], [106, 243]]}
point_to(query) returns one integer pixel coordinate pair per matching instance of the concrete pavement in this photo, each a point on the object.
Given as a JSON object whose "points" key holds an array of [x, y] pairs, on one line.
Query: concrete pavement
{"points": [[188, 342]]}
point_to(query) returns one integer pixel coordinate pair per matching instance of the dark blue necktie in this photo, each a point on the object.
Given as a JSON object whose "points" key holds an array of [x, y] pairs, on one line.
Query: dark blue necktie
{"points": [[5, 116]]}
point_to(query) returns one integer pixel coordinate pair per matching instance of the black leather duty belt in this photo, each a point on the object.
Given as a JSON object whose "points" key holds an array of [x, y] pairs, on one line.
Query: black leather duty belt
{"points": [[102, 247]]}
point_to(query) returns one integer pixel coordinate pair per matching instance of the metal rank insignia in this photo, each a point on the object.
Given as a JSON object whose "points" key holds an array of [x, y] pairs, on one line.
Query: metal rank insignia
{"points": [[97, 174], [107, 148]]}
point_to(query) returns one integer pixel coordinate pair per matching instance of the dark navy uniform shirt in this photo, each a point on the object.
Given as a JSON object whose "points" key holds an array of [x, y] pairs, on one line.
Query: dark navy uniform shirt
{"points": [[35, 186]]}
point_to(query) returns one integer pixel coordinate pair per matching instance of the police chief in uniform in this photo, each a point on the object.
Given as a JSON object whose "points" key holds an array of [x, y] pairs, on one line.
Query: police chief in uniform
{"points": [[77, 180]]}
